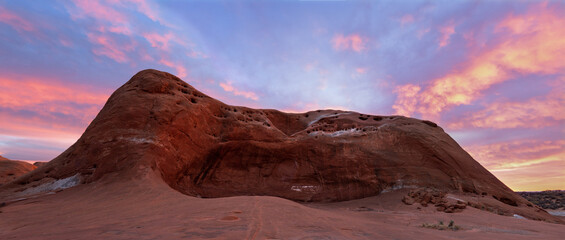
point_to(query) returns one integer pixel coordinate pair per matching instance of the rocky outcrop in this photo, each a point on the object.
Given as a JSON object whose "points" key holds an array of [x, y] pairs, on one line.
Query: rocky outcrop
{"points": [[11, 169], [439, 199], [39, 164], [203, 147]]}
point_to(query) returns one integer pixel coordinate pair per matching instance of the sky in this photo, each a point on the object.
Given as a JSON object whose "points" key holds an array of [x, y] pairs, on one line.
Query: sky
{"points": [[491, 73]]}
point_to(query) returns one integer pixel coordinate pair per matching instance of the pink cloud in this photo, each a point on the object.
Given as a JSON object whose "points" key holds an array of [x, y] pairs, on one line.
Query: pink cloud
{"points": [[520, 163], [78, 104], [98, 10], [65, 42], [144, 7], [361, 70], [535, 49], [181, 70], [406, 19], [421, 32], [533, 113], [407, 99], [517, 153], [41, 128], [527, 178], [24, 91], [110, 22], [158, 41], [17, 22], [114, 37], [310, 66], [108, 47], [246, 94], [352, 42], [196, 54], [116, 29], [107, 12], [446, 32]]}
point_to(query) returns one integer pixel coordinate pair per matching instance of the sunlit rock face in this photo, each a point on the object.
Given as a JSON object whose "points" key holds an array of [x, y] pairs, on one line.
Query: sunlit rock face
{"points": [[202, 147], [10, 169]]}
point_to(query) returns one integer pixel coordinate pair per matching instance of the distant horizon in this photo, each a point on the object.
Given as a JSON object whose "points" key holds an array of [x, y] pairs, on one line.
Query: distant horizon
{"points": [[490, 73]]}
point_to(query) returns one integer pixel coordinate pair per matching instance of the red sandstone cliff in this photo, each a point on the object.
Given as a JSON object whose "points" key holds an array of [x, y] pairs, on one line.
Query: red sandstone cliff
{"points": [[203, 147]]}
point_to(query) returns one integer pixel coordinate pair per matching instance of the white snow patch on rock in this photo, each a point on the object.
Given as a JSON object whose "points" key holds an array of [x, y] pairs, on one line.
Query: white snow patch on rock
{"points": [[397, 186], [326, 116], [518, 216], [140, 140], [454, 198], [304, 188], [344, 132], [556, 213], [337, 133], [55, 185]]}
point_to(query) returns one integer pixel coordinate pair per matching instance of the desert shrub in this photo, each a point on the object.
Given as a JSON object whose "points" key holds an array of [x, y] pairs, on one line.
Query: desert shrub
{"points": [[554, 199], [440, 226]]}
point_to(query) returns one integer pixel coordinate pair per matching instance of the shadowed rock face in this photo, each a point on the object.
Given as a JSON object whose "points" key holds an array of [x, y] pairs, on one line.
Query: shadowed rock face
{"points": [[203, 147]]}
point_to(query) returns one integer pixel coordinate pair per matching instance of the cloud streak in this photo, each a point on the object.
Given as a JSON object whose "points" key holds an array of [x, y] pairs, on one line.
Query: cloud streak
{"points": [[114, 36], [519, 163], [16, 21], [237, 92], [446, 32], [44, 111], [523, 49]]}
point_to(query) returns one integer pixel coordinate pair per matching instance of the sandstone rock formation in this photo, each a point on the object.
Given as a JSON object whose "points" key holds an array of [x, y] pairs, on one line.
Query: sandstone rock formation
{"points": [[202, 147], [39, 164], [10, 169], [443, 202]]}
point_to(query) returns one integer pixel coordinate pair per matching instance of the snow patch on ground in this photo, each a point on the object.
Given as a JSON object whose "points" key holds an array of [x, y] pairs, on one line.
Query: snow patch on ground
{"points": [[55, 185], [556, 213], [518, 216]]}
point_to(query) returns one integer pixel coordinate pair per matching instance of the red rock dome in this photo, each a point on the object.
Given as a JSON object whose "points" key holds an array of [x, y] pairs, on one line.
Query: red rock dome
{"points": [[202, 147]]}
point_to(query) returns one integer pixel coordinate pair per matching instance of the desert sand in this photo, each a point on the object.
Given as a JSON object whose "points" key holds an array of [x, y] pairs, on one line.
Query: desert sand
{"points": [[164, 161]]}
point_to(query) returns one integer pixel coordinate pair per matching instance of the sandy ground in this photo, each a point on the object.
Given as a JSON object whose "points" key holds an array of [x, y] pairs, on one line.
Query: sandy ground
{"points": [[149, 209]]}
